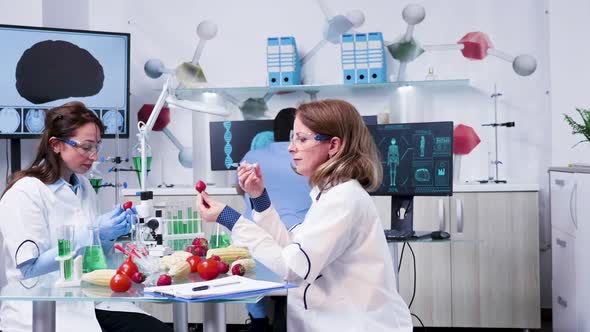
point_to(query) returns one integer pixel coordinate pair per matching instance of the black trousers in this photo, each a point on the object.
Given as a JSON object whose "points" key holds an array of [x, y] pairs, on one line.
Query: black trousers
{"points": [[119, 321]]}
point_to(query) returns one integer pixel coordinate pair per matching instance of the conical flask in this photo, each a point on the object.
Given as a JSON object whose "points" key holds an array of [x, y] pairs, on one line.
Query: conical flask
{"points": [[136, 157], [94, 258], [95, 177]]}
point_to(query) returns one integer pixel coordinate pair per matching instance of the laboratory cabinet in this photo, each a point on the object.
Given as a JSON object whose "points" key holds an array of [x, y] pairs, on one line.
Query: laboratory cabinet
{"points": [[570, 248], [487, 275]]}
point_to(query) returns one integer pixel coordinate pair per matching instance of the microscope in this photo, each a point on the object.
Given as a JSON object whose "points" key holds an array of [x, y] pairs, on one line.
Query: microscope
{"points": [[151, 222]]}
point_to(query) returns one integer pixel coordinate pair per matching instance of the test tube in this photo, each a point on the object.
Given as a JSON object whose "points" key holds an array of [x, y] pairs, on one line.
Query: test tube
{"points": [[65, 247]]}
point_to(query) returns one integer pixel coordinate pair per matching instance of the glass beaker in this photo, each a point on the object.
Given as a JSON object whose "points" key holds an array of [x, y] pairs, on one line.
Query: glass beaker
{"points": [[65, 247], [94, 258], [221, 241]]}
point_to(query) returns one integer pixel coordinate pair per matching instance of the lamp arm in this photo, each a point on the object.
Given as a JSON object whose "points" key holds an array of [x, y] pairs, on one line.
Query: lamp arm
{"points": [[145, 128], [151, 121]]}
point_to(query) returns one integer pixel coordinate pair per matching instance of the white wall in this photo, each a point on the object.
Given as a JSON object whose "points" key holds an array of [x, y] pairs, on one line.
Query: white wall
{"points": [[236, 57]]}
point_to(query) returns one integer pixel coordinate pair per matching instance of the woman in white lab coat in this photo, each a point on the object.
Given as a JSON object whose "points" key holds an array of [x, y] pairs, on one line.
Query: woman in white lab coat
{"points": [[338, 256], [51, 192]]}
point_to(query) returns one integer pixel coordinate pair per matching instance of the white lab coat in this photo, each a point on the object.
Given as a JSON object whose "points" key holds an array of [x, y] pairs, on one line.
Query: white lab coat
{"points": [[32, 211], [339, 258]]}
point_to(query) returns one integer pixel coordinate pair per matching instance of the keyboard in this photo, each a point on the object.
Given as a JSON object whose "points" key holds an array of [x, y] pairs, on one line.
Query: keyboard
{"points": [[396, 235]]}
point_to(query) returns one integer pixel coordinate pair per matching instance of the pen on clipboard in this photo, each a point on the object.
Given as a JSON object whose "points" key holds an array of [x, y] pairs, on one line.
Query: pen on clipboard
{"points": [[205, 287]]}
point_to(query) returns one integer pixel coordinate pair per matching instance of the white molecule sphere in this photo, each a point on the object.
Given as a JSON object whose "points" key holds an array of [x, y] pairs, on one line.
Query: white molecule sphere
{"points": [[524, 65], [207, 30], [413, 14], [356, 17], [185, 157], [154, 68]]}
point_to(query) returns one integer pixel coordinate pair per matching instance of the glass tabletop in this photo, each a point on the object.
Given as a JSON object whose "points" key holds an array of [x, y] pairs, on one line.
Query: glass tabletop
{"points": [[43, 289]]}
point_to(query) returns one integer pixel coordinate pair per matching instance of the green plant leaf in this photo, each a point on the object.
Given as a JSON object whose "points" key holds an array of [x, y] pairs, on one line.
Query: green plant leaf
{"points": [[582, 128]]}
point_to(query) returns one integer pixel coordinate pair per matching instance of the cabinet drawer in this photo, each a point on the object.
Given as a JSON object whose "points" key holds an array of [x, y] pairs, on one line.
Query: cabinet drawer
{"points": [[564, 281], [563, 196]]}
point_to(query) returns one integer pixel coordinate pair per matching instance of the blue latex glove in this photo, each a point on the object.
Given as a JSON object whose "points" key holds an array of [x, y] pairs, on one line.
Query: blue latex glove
{"points": [[43, 264], [114, 224]]}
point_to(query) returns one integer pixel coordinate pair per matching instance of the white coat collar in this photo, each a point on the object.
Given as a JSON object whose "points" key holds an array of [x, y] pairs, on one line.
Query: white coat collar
{"points": [[59, 183]]}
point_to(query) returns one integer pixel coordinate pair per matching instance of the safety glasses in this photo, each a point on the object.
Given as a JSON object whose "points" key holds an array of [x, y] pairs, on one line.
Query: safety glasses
{"points": [[85, 149], [302, 140]]}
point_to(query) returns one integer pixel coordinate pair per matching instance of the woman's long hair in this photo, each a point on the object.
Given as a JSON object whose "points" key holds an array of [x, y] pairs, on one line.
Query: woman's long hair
{"points": [[358, 157], [60, 122]]}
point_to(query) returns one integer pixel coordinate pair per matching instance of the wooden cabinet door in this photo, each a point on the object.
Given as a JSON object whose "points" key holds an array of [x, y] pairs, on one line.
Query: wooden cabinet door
{"points": [[495, 259], [432, 302]]}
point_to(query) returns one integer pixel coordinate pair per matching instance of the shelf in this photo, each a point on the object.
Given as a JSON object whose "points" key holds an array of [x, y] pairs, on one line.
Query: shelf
{"points": [[260, 91]]}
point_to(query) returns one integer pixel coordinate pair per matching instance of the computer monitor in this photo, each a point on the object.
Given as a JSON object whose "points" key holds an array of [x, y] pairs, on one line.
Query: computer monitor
{"points": [[46, 67], [231, 140], [417, 160]]}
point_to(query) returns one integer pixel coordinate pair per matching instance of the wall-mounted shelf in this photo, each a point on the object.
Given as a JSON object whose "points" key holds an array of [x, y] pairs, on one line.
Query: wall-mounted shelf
{"points": [[341, 89]]}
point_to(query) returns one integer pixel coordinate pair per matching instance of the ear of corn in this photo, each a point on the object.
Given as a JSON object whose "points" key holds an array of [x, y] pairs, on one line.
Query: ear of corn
{"points": [[248, 263], [180, 270], [100, 277], [168, 261], [183, 254], [229, 254]]}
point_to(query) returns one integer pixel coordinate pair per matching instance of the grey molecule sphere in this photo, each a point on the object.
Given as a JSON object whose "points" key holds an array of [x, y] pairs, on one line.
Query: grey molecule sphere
{"points": [[413, 14], [154, 68], [524, 65]]}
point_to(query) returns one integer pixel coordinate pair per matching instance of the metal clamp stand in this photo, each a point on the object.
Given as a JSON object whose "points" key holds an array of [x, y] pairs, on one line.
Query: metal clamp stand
{"points": [[496, 162]]}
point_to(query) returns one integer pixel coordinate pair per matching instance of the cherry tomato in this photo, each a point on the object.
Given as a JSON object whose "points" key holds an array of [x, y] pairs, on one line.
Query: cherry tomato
{"points": [[128, 267], [194, 261], [120, 283], [208, 269], [200, 186], [127, 205]]}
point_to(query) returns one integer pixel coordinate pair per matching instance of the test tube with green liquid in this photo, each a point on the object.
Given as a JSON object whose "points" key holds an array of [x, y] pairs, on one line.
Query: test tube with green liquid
{"points": [[65, 250], [196, 221]]}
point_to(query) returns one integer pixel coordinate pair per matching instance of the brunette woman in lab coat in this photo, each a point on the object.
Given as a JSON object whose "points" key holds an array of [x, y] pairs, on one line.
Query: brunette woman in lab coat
{"points": [[338, 256], [52, 192]]}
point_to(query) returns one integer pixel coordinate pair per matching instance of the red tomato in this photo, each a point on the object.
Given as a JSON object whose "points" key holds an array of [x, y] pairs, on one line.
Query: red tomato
{"points": [[120, 283], [128, 267], [208, 269], [194, 261], [200, 186], [127, 205]]}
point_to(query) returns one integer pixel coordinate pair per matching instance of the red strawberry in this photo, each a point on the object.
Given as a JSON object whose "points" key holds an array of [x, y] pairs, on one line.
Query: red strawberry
{"points": [[138, 277], [223, 267], [164, 280], [127, 205], [201, 242], [200, 186], [200, 251], [238, 270], [216, 258]]}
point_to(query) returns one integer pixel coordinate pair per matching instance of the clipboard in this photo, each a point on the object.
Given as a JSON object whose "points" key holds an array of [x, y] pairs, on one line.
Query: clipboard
{"points": [[229, 288]]}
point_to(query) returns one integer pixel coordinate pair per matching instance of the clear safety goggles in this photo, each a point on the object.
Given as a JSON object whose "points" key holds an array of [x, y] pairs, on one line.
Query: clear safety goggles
{"points": [[302, 140], [85, 149]]}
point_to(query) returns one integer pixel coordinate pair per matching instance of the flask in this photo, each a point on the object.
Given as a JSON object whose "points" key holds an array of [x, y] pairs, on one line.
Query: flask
{"points": [[94, 258], [136, 157], [95, 177]]}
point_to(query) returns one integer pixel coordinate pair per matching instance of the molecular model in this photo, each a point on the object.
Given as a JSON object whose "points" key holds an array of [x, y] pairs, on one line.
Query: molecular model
{"points": [[474, 45]]}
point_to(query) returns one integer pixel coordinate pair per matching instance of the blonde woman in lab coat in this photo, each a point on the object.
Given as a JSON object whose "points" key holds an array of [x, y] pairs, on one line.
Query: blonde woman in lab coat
{"points": [[51, 192], [338, 256]]}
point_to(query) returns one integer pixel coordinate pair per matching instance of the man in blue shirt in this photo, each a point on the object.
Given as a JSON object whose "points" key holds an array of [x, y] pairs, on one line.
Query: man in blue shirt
{"points": [[289, 192]]}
